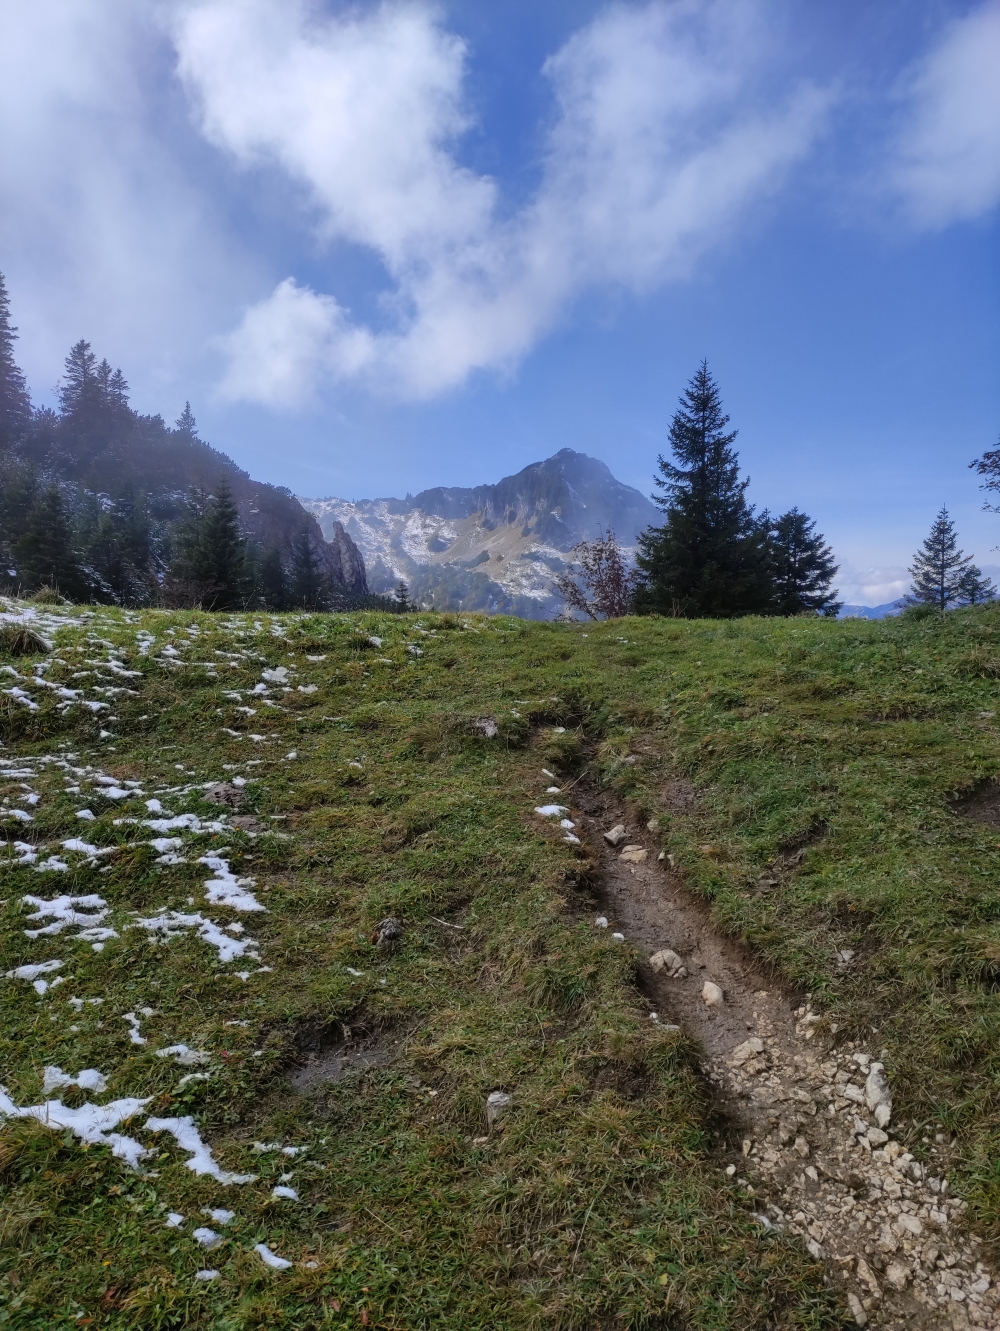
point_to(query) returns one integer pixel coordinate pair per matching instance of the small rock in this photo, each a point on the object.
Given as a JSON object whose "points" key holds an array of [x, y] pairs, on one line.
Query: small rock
{"points": [[857, 1310], [616, 836], [486, 726], [802, 1147], [908, 1224], [226, 794], [668, 960], [877, 1093], [815, 1249], [601, 922], [744, 1051], [387, 933], [712, 994], [633, 855], [619, 938], [897, 1275], [497, 1104], [652, 825], [867, 1277], [877, 1137]]}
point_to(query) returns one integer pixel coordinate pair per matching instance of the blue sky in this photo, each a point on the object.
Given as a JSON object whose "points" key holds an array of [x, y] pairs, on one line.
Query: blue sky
{"points": [[382, 247]]}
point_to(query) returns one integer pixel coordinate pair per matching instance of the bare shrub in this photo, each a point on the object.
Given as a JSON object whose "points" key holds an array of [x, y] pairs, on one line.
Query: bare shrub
{"points": [[599, 583]]}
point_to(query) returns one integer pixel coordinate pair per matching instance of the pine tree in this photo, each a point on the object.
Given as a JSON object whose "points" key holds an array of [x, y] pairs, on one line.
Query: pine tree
{"points": [[15, 404], [186, 423], [118, 390], [710, 557], [271, 582], [402, 596], [309, 584], [81, 386], [44, 553], [218, 560], [802, 567], [940, 570], [974, 589]]}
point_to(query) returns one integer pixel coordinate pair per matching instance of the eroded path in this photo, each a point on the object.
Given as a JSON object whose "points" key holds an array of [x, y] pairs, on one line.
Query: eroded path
{"points": [[813, 1140]]}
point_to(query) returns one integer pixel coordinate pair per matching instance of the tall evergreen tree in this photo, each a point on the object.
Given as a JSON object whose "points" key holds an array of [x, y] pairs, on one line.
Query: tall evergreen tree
{"points": [[81, 385], [309, 584], [44, 553], [974, 589], [15, 404], [186, 423], [802, 566], [710, 558], [219, 559], [272, 586], [940, 571]]}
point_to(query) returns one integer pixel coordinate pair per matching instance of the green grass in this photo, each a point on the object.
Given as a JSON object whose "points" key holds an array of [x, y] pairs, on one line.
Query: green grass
{"points": [[597, 1203]]}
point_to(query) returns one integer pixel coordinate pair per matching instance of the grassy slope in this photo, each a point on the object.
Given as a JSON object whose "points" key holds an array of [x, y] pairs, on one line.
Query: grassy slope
{"points": [[596, 1202]]}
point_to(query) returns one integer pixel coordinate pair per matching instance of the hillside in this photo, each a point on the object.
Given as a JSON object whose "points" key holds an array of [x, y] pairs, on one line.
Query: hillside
{"points": [[328, 1003], [490, 547]]}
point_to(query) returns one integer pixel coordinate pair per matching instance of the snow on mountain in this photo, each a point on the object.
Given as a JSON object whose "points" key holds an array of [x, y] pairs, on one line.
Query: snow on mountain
{"points": [[490, 547]]}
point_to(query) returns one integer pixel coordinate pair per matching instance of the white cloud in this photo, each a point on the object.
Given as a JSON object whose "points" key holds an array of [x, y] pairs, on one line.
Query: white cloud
{"points": [[104, 233], [873, 585], [946, 159], [659, 147]]}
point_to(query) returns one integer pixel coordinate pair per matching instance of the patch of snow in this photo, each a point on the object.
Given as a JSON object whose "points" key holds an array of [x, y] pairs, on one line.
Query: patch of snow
{"points": [[87, 1080], [173, 924], [185, 1057], [225, 889], [270, 1258], [93, 1124], [174, 1220], [285, 1192], [551, 810], [86, 815], [188, 1138]]}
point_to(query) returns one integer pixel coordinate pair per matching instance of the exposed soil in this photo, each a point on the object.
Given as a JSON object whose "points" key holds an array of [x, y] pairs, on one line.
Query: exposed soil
{"points": [[811, 1141], [336, 1052], [982, 805]]}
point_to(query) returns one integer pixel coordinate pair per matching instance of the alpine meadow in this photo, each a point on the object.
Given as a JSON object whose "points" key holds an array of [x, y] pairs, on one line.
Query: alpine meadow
{"points": [[499, 666]]}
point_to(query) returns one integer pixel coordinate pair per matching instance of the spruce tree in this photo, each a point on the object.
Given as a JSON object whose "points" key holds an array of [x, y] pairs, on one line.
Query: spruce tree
{"points": [[186, 423], [217, 561], [974, 589], [309, 584], [802, 567], [15, 404], [940, 570], [402, 597], [710, 558], [44, 553], [271, 582], [81, 385]]}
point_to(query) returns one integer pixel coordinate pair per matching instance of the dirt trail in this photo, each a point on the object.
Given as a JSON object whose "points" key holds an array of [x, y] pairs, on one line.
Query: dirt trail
{"points": [[814, 1143]]}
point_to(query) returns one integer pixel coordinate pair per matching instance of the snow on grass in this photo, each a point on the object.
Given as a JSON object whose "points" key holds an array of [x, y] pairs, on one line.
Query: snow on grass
{"points": [[65, 912], [207, 1238], [551, 810], [87, 1080], [225, 889], [173, 924], [134, 1033], [32, 973], [200, 1160], [185, 1057], [270, 1258], [92, 1124]]}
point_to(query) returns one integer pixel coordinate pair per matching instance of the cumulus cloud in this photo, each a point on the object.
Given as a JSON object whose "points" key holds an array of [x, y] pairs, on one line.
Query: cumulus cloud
{"points": [[660, 144], [873, 585], [946, 157], [104, 233]]}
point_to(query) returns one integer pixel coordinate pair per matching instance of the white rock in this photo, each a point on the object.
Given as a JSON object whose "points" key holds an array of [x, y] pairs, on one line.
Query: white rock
{"points": [[748, 1049], [619, 938], [668, 960], [633, 855], [601, 922], [897, 1275], [857, 1310], [497, 1104], [712, 994]]}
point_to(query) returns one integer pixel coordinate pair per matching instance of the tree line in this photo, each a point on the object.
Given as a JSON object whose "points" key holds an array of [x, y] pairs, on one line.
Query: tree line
{"points": [[139, 534], [716, 557]]}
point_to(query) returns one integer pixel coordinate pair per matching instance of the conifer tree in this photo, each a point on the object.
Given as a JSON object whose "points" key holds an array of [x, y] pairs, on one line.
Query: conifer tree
{"points": [[802, 567], [271, 582], [710, 557], [118, 390], [81, 385], [45, 554], [218, 560], [308, 581], [402, 596], [942, 574], [186, 423], [15, 404], [974, 589]]}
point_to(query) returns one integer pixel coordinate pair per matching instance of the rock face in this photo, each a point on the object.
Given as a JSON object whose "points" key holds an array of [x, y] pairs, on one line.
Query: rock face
{"points": [[346, 564], [489, 547]]}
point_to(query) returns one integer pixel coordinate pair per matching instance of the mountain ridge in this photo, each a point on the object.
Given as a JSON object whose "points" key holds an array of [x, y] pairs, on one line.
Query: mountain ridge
{"points": [[495, 546]]}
